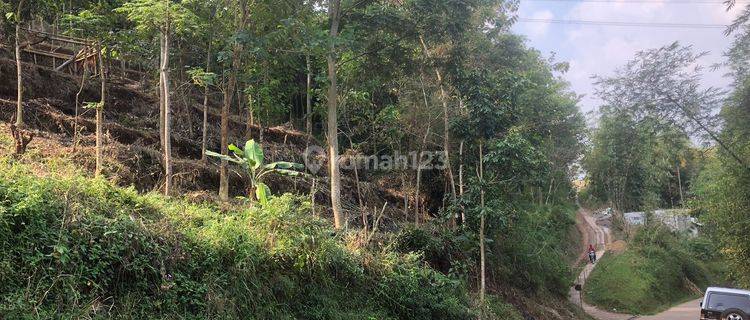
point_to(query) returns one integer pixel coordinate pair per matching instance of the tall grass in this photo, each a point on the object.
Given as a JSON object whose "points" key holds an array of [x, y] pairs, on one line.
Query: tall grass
{"points": [[75, 247], [659, 269]]}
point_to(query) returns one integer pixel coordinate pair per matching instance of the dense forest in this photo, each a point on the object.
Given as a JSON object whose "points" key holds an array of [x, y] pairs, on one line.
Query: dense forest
{"points": [[376, 159]]}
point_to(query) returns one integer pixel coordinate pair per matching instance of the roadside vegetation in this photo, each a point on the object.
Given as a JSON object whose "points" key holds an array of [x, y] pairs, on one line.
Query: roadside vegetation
{"points": [[76, 247], [478, 226], [723, 188], [113, 204], [644, 157], [657, 270]]}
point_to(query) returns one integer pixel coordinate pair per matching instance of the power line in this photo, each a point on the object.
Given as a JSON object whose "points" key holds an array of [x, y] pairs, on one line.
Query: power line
{"points": [[722, 2], [627, 24]]}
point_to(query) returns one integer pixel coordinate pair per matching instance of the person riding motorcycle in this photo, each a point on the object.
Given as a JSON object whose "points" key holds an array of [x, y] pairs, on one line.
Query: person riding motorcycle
{"points": [[592, 254]]}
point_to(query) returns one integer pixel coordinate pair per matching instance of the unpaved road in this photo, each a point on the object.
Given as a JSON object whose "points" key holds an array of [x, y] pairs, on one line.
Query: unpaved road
{"points": [[686, 311], [601, 237]]}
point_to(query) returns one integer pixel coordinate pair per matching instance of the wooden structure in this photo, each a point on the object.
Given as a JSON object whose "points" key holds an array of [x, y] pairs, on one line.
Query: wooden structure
{"points": [[61, 53]]}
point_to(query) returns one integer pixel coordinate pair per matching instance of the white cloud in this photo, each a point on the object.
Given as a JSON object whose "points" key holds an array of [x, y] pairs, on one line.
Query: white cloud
{"points": [[540, 29], [593, 49]]}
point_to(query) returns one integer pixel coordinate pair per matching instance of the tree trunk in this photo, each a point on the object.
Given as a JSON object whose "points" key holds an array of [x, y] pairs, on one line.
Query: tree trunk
{"points": [[333, 144], [228, 93], [205, 106], [100, 115], [161, 95], [461, 179], [446, 124], [308, 98], [417, 202], [481, 227], [167, 118], [249, 119], [679, 183], [19, 76], [78, 107]]}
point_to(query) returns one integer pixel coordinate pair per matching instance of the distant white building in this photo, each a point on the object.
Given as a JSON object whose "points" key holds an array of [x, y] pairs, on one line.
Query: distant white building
{"points": [[677, 220]]}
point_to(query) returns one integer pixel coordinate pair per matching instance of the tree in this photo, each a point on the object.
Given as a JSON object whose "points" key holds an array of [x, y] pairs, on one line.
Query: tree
{"points": [[665, 84], [100, 113], [167, 18], [722, 188], [204, 79], [489, 120], [241, 20], [19, 67], [334, 15]]}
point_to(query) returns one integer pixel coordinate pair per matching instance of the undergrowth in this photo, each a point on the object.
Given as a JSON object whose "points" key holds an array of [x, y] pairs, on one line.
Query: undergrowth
{"points": [[659, 269], [73, 247]]}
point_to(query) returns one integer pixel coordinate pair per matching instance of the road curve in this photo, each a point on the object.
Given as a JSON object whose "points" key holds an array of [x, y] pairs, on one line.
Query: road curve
{"points": [[686, 311], [600, 236]]}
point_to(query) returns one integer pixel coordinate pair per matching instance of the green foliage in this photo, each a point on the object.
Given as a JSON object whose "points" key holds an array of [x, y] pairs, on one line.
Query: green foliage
{"points": [[634, 164], [501, 310], [526, 249], [723, 188], [75, 247], [201, 78], [164, 16], [723, 197], [657, 270], [93, 105], [531, 253], [251, 159]]}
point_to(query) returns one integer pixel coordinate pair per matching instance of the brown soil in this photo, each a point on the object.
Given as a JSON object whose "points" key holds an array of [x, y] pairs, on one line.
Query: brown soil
{"points": [[132, 140]]}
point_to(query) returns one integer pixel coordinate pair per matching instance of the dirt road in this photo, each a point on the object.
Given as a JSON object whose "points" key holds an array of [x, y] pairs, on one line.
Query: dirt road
{"points": [[686, 311], [600, 236]]}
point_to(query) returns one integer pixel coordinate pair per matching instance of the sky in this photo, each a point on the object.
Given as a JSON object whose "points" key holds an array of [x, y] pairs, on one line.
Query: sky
{"points": [[600, 50]]}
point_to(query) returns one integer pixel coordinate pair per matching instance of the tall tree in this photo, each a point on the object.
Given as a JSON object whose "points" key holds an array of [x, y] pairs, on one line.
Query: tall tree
{"points": [[100, 113], [19, 67], [241, 20], [165, 17], [334, 15], [664, 83]]}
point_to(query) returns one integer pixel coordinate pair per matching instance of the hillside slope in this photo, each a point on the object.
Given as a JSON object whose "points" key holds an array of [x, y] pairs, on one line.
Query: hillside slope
{"points": [[132, 155], [253, 265]]}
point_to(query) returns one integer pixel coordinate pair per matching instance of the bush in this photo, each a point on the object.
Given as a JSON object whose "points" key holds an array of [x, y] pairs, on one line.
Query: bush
{"points": [[657, 270], [528, 254], [73, 247], [532, 250]]}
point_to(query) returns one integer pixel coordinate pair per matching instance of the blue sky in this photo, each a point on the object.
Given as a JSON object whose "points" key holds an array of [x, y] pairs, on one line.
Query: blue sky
{"points": [[602, 49]]}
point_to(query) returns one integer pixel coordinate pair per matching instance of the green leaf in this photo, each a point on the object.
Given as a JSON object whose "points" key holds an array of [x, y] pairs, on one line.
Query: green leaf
{"points": [[92, 105], [254, 153], [262, 192], [223, 157], [290, 173], [237, 150], [284, 165]]}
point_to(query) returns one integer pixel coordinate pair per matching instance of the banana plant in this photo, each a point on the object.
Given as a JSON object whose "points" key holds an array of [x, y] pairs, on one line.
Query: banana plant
{"points": [[250, 158]]}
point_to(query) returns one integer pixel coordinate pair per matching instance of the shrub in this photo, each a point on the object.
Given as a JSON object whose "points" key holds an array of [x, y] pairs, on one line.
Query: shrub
{"points": [[73, 247], [656, 271]]}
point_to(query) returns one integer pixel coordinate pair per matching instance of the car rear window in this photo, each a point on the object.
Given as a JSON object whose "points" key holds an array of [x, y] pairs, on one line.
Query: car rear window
{"points": [[721, 301]]}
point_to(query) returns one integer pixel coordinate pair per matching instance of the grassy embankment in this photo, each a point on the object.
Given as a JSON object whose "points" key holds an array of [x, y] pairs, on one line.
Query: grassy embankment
{"points": [[73, 247], [657, 270]]}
